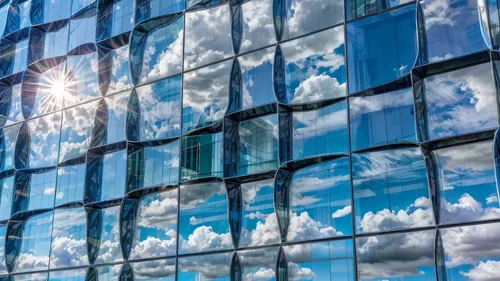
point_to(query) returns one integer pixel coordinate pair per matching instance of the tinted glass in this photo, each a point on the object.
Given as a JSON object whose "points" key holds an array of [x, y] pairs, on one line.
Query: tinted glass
{"points": [[114, 70], [146, 9], [49, 43], [3, 232], [115, 17], [109, 247], [257, 25], [82, 29], [80, 4], [109, 125], [13, 57], [258, 264], [10, 105], [7, 146], [43, 11], [201, 156], [18, 17], [70, 184], [202, 268], [34, 190], [357, 8], [6, 197], [81, 79], [68, 238], [157, 270]]}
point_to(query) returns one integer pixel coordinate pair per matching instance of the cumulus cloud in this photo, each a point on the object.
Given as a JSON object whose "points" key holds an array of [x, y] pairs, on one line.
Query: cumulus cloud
{"points": [[207, 267], [155, 247], [258, 27], [303, 227], [67, 251], [159, 213], [31, 262], [484, 271], [155, 269], [317, 88], [265, 232], [342, 212], [205, 238]]}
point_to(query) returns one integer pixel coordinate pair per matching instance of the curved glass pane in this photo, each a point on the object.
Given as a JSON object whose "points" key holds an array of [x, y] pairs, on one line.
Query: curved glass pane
{"points": [[3, 232], [320, 131], [76, 131], [79, 5], [8, 146], [257, 77], [401, 257], [205, 96], [156, 229], [81, 79], [160, 109], [156, 270], [44, 141], [213, 267], [201, 156], [109, 124], [208, 36], [314, 67], [356, 9], [35, 243], [320, 201], [68, 238], [68, 275], [325, 261], [154, 166], [460, 102], [115, 17], [468, 252], [466, 177], [258, 29], [109, 246], [305, 16], [106, 176], [146, 9], [43, 11], [259, 224], [70, 184], [82, 29], [452, 28], [203, 218], [11, 105], [34, 190], [18, 17], [159, 52], [4, 11], [259, 264], [48, 41], [391, 190], [381, 48], [108, 272], [6, 197], [382, 119], [30, 277], [13, 57], [114, 71]]}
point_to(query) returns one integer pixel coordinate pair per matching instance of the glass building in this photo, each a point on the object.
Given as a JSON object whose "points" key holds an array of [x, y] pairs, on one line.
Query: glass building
{"points": [[249, 140]]}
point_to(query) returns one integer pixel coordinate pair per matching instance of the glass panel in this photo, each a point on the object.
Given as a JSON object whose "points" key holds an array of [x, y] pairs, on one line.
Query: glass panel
{"points": [[19, 16], [3, 232], [7, 146], [452, 28], [35, 190], [82, 29], [13, 57], [258, 265], [30, 277], [68, 275], [76, 131], [146, 9], [256, 77], [208, 36], [160, 109], [381, 48], [259, 225], [305, 16], [205, 96], [35, 243], [44, 11], [108, 273], [201, 156], [109, 125], [44, 141], [50, 43], [70, 184], [320, 201], [315, 67], [203, 218], [391, 190], [114, 68], [258, 30], [156, 229], [69, 247], [460, 102], [357, 8], [81, 79], [156, 270], [79, 5], [324, 261], [4, 10], [10, 105], [109, 248], [466, 176], [6, 197], [396, 257], [321, 131], [258, 145], [213, 267], [382, 119], [115, 17], [112, 170]]}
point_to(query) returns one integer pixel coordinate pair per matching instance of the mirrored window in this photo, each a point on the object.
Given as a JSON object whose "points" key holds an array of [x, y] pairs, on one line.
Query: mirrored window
{"points": [[205, 97], [48, 41], [460, 102], [467, 187], [320, 131], [258, 264], [43, 11], [107, 273], [68, 275], [4, 11], [13, 56], [201, 156], [382, 119], [81, 79], [356, 9], [82, 29], [146, 9], [391, 190], [156, 270], [18, 17], [203, 218], [315, 67], [110, 118], [34, 190], [10, 105], [69, 247], [208, 36], [214, 267], [106, 176], [104, 226], [320, 200], [114, 72], [79, 5], [402, 256], [7, 183], [8, 138], [43, 276], [381, 48], [257, 28], [70, 183], [3, 234], [115, 17]]}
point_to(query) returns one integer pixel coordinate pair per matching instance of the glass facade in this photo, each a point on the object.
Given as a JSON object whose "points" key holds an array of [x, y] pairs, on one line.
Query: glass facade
{"points": [[249, 140]]}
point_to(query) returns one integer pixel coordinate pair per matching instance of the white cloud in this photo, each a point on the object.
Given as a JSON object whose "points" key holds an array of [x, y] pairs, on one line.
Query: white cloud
{"points": [[31, 262], [484, 271], [205, 238], [67, 252], [342, 212], [317, 88], [155, 247], [303, 227], [262, 274]]}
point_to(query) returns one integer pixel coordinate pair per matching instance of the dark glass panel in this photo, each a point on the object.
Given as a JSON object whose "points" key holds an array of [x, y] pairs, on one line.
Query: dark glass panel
{"points": [[18, 17], [48, 41], [146, 9], [34, 190], [6, 196], [360, 8], [13, 56], [43, 11], [115, 17], [201, 156]]}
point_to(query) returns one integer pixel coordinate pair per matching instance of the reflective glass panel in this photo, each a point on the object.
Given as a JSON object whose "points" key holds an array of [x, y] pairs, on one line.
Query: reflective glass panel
{"points": [[320, 131], [49, 43], [325, 261], [43, 11], [8, 140], [452, 28], [213, 267], [203, 221], [320, 201], [391, 190], [201, 156], [114, 70], [146, 9], [4, 10], [258, 29], [30, 277], [19, 16], [109, 173], [81, 79], [108, 273], [208, 36], [467, 187], [259, 223], [159, 109], [259, 264], [10, 105], [156, 229], [13, 57], [109, 246], [382, 119], [205, 96], [115, 17], [69, 247], [68, 275], [460, 102], [3, 232], [70, 184], [157, 270], [82, 29], [34, 190], [6, 197], [315, 67], [357, 8], [79, 5], [109, 125], [43, 147], [396, 257], [381, 48]]}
